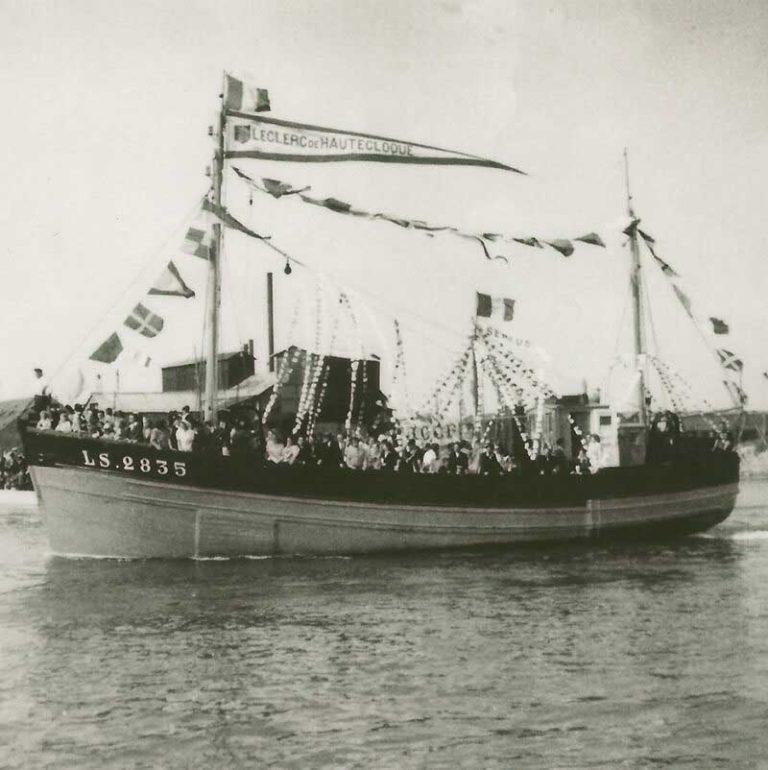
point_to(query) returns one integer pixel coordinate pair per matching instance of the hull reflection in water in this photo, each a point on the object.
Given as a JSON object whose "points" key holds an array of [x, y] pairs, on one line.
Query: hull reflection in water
{"points": [[106, 514]]}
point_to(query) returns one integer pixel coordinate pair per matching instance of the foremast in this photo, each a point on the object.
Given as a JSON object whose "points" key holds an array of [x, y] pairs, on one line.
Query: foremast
{"points": [[214, 273], [636, 286]]}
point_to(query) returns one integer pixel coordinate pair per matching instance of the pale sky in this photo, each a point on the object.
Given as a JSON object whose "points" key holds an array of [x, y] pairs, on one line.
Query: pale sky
{"points": [[105, 145]]}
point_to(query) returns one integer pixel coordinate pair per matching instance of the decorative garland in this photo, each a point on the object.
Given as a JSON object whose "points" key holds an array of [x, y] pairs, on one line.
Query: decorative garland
{"points": [[681, 394], [399, 376], [283, 375], [353, 367], [323, 370]]}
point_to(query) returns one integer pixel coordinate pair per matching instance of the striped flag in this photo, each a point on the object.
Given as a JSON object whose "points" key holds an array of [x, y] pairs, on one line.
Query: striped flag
{"points": [[144, 321], [500, 308], [239, 97]]}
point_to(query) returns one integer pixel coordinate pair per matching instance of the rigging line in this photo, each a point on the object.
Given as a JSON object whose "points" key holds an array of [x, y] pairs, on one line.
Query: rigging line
{"points": [[651, 323], [711, 349], [619, 333], [141, 277], [353, 287], [356, 289]]}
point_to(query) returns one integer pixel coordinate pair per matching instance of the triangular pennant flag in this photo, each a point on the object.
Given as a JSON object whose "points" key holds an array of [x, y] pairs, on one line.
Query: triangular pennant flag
{"points": [[276, 188], [563, 246], [417, 224], [394, 220], [592, 238], [719, 326], [273, 187], [730, 360], [684, 301], [535, 242], [665, 267], [171, 284], [334, 204], [109, 350], [226, 218], [649, 239], [144, 321], [631, 227]]}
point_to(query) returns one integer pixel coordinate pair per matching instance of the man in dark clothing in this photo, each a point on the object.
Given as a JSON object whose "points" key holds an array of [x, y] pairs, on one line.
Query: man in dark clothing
{"points": [[454, 459], [331, 454], [409, 461], [558, 461], [304, 455], [389, 457], [240, 439], [489, 465]]}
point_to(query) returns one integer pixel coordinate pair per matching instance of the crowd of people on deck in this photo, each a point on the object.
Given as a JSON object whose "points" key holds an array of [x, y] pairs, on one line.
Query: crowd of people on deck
{"points": [[388, 451], [13, 471]]}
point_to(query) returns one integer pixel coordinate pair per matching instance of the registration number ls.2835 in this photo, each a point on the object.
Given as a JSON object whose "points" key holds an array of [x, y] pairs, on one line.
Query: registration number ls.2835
{"points": [[154, 465]]}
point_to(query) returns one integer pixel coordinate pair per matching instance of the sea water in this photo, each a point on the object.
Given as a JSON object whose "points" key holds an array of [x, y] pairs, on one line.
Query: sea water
{"points": [[573, 656]]}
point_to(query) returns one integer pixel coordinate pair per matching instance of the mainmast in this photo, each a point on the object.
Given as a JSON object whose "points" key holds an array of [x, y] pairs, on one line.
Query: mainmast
{"points": [[212, 353], [635, 282]]}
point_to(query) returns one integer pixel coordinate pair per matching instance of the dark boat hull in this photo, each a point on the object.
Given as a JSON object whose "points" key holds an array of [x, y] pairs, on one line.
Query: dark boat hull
{"points": [[104, 499]]}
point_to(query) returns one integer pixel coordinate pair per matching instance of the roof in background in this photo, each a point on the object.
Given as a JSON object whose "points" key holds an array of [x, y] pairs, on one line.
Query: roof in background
{"points": [[252, 386], [201, 361]]}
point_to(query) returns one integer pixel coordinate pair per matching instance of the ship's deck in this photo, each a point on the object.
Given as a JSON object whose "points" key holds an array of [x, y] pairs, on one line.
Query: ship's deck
{"points": [[692, 468]]}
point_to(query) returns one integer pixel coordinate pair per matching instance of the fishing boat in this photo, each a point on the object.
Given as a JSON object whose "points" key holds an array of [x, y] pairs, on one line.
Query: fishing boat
{"points": [[119, 499]]}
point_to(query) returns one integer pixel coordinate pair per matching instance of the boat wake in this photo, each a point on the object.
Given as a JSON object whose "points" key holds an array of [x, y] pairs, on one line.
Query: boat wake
{"points": [[745, 535], [750, 534]]}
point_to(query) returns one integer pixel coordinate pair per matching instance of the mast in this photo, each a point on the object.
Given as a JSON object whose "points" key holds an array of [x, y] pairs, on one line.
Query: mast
{"points": [[212, 353], [635, 282]]}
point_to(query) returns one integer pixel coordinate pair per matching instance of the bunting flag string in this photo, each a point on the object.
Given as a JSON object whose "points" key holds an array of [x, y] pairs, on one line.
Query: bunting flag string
{"points": [[728, 360], [681, 393], [487, 241]]}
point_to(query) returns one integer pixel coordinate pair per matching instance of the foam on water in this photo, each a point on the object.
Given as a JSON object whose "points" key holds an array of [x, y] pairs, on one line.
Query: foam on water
{"points": [[750, 534]]}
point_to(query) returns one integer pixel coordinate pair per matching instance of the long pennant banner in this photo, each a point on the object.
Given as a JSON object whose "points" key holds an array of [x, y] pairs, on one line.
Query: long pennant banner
{"points": [[266, 138]]}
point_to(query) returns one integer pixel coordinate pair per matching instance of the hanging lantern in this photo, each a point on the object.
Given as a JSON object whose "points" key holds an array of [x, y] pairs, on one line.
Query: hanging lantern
{"points": [[287, 269]]}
